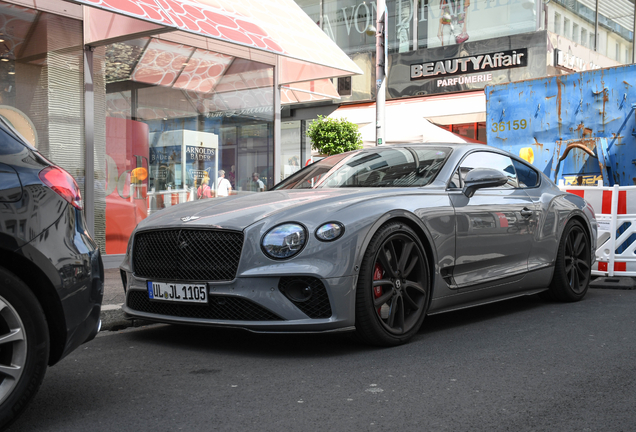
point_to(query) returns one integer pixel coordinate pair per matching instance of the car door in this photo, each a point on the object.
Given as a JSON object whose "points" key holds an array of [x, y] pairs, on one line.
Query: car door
{"points": [[543, 246], [494, 226]]}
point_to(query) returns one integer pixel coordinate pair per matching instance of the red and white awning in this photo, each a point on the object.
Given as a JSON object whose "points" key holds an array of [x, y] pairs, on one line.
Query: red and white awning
{"points": [[280, 27], [308, 91]]}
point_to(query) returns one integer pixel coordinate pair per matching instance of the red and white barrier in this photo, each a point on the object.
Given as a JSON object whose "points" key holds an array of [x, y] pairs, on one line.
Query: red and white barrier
{"points": [[615, 209]]}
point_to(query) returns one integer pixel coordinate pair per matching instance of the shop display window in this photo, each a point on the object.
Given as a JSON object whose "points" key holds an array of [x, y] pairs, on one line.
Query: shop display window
{"points": [[291, 158], [473, 131], [430, 23], [181, 124], [42, 83]]}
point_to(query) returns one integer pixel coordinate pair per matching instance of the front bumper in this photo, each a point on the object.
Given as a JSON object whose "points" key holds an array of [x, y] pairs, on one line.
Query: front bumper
{"points": [[252, 303]]}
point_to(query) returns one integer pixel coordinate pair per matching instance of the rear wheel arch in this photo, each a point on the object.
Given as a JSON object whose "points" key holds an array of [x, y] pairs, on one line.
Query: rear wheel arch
{"points": [[43, 289], [583, 221]]}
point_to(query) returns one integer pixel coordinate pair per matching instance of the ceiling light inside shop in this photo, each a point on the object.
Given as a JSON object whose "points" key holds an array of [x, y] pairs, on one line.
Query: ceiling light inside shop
{"points": [[1, 40]]}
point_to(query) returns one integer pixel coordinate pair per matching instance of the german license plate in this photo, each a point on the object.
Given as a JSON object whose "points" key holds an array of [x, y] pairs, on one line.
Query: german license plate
{"points": [[177, 292]]}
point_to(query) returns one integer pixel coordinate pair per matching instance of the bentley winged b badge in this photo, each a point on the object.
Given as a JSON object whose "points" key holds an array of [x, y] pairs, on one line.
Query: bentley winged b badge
{"points": [[189, 218]]}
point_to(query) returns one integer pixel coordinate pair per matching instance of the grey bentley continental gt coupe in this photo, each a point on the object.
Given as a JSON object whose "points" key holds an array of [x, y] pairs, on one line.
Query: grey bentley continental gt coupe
{"points": [[371, 240]]}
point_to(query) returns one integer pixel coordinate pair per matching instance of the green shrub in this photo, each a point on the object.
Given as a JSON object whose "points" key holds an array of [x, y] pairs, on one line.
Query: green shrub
{"points": [[332, 136]]}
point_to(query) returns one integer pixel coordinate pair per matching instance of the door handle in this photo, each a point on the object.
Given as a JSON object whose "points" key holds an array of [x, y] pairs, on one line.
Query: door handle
{"points": [[526, 212]]}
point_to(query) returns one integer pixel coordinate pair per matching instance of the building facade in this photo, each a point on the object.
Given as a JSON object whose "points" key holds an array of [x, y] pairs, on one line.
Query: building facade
{"points": [[442, 53], [143, 103]]}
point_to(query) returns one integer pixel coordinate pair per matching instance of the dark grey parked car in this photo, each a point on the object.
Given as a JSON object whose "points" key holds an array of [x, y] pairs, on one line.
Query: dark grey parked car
{"points": [[372, 241], [51, 274]]}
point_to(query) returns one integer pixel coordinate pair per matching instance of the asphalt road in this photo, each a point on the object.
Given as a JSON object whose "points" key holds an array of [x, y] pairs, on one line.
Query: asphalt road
{"points": [[520, 365]]}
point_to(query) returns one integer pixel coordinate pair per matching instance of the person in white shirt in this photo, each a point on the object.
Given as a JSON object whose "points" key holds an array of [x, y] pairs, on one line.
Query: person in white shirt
{"points": [[223, 186]]}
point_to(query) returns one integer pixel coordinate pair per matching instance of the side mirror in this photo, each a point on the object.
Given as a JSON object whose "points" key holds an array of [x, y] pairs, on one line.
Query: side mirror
{"points": [[483, 178]]}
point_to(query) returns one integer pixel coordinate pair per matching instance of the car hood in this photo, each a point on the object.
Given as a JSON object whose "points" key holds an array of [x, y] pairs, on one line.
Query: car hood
{"points": [[240, 211]]}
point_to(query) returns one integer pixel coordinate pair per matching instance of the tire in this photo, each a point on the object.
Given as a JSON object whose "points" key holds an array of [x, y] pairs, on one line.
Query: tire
{"points": [[393, 289], [573, 266], [24, 345]]}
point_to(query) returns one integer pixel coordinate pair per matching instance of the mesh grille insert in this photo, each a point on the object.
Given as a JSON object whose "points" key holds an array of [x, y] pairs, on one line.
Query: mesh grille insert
{"points": [[317, 305], [219, 308], [187, 255]]}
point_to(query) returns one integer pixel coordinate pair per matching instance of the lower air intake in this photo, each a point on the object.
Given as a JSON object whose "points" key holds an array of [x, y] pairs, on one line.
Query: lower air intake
{"points": [[218, 308], [308, 294]]}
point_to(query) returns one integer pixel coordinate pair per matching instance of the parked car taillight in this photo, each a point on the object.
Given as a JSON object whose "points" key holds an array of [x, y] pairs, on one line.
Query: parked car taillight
{"points": [[63, 184]]}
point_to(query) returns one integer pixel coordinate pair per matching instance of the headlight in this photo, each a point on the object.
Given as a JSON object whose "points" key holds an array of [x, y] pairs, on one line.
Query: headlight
{"points": [[284, 241], [330, 231]]}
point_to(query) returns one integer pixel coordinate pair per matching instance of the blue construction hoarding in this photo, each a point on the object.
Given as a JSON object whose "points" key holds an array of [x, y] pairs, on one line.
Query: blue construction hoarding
{"points": [[577, 128]]}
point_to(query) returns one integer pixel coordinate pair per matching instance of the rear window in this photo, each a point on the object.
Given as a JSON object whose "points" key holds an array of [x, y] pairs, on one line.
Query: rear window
{"points": [[9, 145]]}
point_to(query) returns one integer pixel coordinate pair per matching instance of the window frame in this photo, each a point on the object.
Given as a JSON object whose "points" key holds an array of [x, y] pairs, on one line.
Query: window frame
{"points": [[457, 174]]}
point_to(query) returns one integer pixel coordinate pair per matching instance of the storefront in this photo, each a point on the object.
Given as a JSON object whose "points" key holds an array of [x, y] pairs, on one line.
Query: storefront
{"points": [[442, 53], [144, 102]]}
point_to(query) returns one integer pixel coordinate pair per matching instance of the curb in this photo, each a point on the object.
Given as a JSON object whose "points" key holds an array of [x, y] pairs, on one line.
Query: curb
{"points": [[114, 319]]}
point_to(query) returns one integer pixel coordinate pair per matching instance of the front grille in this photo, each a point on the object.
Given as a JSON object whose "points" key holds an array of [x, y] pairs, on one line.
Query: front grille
{"points": [[218, 308], [317, 305], [187, 255]]}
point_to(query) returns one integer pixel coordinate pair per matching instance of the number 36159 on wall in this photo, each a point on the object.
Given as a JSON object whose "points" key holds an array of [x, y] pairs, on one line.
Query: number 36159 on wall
{"points": [[509, 125]]}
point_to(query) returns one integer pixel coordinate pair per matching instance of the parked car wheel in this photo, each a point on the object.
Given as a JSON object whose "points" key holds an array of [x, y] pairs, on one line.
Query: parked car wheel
{"points": [[572, 270], [24, 346], [393, 287]]}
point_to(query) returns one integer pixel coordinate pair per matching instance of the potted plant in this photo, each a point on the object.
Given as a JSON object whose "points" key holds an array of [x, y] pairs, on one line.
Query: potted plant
{"points": [[331, 136]]}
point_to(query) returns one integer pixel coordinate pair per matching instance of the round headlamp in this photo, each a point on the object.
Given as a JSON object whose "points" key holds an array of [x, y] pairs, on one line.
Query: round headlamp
{"points": [[284, 241], [330, 231]]}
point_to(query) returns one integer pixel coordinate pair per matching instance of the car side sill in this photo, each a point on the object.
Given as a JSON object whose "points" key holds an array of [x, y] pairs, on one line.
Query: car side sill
{"points": [[487, 301]]}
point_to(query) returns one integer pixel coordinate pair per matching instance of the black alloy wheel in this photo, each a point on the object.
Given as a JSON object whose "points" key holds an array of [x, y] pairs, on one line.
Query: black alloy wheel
{"points": [[572, 270], [393, 287]]}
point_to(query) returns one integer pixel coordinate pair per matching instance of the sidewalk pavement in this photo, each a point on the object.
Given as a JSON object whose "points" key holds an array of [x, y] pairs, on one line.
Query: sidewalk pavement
{"points": [[112, 316]]}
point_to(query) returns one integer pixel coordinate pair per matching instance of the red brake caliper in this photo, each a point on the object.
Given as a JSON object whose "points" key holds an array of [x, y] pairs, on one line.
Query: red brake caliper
{"points": [[377, 275]]}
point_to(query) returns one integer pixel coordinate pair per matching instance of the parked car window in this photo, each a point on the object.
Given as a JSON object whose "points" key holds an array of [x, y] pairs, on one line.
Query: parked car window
{"points": [[526, 175], [390, 167], [490, 160], [10, 145]]}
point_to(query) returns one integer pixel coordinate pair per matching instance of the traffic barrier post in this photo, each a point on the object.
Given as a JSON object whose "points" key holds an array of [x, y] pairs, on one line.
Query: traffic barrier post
{"points": [[615, 209]]}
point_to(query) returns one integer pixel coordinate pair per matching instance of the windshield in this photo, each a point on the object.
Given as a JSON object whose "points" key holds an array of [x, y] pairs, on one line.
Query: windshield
{"points": [[386, 167]]}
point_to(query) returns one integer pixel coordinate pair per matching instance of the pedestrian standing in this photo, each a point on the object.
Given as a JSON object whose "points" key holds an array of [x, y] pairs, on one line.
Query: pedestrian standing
{"points": [[223, 186], [255, 184], [204, 189]]}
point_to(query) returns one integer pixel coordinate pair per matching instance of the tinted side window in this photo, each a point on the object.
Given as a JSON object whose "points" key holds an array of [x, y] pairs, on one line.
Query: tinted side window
{"points": [[527, 176], [490, 160], [10, 145]]}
